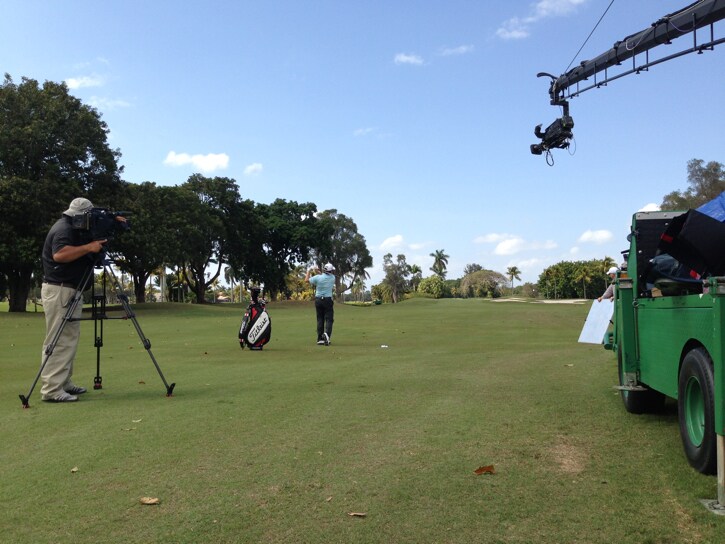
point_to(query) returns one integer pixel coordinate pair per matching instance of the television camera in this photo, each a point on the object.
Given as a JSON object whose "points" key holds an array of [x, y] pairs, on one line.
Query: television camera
{"points": [[556, 135], [100, 223]]}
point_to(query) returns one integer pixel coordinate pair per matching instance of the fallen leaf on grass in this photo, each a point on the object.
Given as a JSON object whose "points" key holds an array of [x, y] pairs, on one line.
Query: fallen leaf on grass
{"points": [[74, 470], [568, 364], [328, 499], [488, 469], [136, 420], [357, 514], [150, 500]]}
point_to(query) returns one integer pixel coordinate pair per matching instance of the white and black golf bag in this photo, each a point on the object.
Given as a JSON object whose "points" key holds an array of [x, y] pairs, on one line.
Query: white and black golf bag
{"points": [[256, 328]]}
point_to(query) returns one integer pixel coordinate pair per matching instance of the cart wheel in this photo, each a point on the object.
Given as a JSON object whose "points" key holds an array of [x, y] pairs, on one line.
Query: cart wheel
{"points": [[696, 411], [638, 402]]}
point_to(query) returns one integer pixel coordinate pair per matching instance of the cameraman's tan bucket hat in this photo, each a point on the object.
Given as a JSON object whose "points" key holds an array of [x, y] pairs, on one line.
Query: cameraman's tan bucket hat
{"points": [[78, 205]]}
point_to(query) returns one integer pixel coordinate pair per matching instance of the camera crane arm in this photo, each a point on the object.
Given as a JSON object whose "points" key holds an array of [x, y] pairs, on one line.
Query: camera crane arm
{"points": [[667, 28]]}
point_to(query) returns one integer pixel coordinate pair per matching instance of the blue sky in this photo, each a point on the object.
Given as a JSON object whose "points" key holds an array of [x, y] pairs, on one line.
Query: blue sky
{"points": [[414, 118]]}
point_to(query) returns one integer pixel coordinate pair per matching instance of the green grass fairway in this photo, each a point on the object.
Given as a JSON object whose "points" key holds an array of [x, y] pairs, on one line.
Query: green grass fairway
{"points": [[390, 422]]}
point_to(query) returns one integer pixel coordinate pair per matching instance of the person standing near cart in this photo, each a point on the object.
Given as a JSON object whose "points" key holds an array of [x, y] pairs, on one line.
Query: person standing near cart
{"points": [[609, 293], [324, 284], [66, 262]]}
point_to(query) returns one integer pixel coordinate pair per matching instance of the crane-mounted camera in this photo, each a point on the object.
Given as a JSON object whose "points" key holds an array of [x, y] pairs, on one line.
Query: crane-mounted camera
{"points": [[559, 133]]}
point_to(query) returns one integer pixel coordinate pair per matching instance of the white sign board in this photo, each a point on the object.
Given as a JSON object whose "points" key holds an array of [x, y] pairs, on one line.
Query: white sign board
{"points": [[597, 322]]}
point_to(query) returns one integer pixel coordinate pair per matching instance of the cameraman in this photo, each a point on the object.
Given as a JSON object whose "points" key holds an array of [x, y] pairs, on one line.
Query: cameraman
{"points": [[324, 305], [66, 261]]}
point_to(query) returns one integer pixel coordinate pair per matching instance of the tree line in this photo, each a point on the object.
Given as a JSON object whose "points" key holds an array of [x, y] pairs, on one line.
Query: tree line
{"points": [[53, 148]]}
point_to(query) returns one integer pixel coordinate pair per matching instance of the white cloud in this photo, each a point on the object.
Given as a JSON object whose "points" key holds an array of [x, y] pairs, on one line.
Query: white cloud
{"points": [[517, 28], [417, 246], [492, 238], [513, 29], [205, 163], [254, 169], [528, 263], [509, 247], [651, 207], [510, 244], [392, 242], [460, 50], [363, 131], [84, 81], [107, 104], [518, 244], [405, 58], [555, 8], [595, 237]]}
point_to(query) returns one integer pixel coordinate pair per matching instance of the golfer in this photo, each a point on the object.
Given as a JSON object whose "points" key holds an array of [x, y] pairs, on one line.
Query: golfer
{"points": [[324, 284]]}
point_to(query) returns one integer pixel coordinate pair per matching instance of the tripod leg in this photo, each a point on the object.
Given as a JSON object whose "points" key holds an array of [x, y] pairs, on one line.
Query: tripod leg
{"points": [[145, 341], [98, 317]]}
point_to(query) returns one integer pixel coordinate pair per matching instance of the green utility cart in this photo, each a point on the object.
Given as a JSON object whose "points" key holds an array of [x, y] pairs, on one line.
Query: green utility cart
{"points": [[669, 338]]}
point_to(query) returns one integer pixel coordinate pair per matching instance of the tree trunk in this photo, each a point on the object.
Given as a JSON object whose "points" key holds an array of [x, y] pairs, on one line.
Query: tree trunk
{"points": [[139, 290], [19, 287], [139, 287]]}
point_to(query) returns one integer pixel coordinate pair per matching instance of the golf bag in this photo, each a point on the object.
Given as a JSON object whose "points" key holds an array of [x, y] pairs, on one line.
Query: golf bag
{"points": [[256, 326]]}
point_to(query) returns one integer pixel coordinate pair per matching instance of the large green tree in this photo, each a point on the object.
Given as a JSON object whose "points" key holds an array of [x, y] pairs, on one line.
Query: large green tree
{"points": [[53, 148], [482, 283], [341, 244], [290, 231], [152, 239], [706, 181], [434, 286], [209, 225]]}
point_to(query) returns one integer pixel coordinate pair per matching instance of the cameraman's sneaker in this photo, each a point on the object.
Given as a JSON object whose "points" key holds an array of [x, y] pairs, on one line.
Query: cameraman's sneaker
{"points": [[326, 338], [75, 390], [62, 397]]}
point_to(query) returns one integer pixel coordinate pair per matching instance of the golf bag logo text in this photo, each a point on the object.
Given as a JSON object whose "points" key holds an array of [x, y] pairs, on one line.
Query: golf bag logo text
{"points": [[260, 326]]}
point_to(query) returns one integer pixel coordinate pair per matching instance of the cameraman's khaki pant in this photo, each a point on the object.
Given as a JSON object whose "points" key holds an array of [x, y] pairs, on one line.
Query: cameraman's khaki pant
{"points": [[59, 368]]}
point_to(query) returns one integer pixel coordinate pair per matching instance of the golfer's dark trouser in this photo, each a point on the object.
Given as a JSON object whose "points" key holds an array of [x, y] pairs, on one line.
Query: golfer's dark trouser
{"points": [[325, 316]]}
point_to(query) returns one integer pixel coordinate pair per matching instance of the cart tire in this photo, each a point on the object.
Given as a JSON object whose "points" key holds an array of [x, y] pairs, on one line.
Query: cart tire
{"points": [[638, 402], [696, 411]]}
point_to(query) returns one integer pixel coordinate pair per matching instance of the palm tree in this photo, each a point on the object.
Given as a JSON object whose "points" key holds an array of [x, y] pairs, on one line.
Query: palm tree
{"points": [[417, 276], [230, 276], [607, 263], [175, 285], [358, 289], [440, 262], [584, 275], [515, 274]]}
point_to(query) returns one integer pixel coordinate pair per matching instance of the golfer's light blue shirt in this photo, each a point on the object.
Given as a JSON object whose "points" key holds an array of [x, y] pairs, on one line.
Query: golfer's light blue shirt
{"points": [[324, 284]]}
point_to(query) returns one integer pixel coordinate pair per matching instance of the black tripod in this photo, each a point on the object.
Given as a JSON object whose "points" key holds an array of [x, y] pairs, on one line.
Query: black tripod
{"points": [[98, 315]]}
